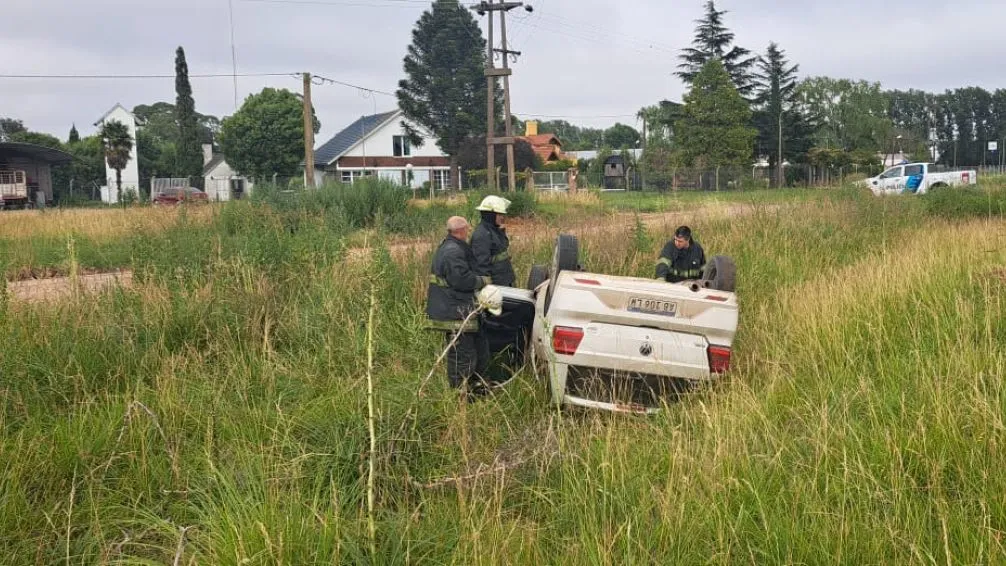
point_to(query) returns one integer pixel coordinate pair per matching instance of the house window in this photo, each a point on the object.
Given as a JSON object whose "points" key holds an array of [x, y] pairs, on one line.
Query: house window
{"points": [[349, 177], [401, 146], [442, 179]]}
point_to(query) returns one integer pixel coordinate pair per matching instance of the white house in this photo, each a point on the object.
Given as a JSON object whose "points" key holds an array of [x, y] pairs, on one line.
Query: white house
{"points": [[221, 182], [131, 174], [377, 144]]}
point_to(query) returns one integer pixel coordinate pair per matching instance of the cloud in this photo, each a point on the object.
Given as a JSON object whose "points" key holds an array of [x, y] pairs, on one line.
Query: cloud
{"points": [[595, 62]]}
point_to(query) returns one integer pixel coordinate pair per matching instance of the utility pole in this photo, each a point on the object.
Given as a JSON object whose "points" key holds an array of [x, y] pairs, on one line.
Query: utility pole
{"points": [[308, 134], [491, 73], [778, 165]]}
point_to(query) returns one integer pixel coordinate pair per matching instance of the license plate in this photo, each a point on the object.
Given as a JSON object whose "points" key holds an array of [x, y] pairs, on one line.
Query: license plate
{"points": [[653, 306]]}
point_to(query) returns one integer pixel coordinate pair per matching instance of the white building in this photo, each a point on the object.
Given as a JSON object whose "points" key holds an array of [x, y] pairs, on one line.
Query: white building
{"points": [[131, 174], [378, 145], [221, 182]]}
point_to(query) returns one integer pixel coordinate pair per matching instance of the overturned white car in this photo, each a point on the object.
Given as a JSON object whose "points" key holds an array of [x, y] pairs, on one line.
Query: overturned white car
{"points": [[621, 343]]}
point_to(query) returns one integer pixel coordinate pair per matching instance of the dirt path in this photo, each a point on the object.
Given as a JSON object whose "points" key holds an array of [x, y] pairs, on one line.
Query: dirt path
{"points": [[537, 231], [57, 288]]}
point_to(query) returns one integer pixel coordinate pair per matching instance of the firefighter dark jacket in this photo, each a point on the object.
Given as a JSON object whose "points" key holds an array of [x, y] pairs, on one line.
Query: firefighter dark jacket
{"points": [[492, 253], [453, 282]]}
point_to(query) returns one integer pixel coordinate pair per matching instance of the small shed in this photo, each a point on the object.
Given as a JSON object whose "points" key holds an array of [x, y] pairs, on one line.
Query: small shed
{"points": [[615, 172], [26, 172]]}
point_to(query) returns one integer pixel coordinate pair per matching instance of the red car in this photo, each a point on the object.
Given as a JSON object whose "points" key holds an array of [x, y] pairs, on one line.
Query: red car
{"points": [[181, 194]]}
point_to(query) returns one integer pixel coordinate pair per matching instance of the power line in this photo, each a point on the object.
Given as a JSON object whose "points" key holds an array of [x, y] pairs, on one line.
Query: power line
{"points": [[130, 77], [362, 3], [320, 80]]}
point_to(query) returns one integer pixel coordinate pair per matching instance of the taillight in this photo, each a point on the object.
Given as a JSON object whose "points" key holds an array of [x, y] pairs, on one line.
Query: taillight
{"points": [[719, 359], [565, 340], [587, 282]]}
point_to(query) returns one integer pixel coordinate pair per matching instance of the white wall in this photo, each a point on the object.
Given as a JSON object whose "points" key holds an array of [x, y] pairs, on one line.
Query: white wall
{"points": [[131, 174], [380, 143], [218, 182]]}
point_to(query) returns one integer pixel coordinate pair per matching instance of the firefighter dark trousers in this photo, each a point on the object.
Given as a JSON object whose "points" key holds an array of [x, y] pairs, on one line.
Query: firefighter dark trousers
{"points": [[467, 360]]}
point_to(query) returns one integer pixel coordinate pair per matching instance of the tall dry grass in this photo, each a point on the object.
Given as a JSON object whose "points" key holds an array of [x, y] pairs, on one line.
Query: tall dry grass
{"points": [[226, 395]]}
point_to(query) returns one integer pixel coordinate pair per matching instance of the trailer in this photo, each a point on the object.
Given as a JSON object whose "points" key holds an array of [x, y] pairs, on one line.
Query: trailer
{"points": [[13, 188]]}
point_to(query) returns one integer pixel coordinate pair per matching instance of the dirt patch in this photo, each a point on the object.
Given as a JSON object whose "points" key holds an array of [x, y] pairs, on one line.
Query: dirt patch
{"points": [[59, 288], [34, 273], [536, 231]]}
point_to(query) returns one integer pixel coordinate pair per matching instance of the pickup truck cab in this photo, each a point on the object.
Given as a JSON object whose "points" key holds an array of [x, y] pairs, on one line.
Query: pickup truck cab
{"points": [[917, 178], [625, 344]]}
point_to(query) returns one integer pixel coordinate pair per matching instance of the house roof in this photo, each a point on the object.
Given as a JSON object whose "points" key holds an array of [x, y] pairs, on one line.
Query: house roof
{"points": [[36, 152], [118, 105], [342, 142], [212, 164], [542, 139]]}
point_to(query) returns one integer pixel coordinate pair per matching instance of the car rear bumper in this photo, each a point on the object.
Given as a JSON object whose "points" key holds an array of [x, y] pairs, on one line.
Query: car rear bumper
{"points": [[615, 390]]}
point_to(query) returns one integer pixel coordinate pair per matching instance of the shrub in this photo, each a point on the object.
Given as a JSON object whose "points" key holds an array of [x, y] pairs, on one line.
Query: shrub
{"points": [[952, 203], [522, 203]]}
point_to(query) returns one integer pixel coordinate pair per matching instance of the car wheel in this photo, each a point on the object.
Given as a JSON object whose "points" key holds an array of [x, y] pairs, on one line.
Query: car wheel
{"points": [[720, 274], [566, 257], [539, 274]]}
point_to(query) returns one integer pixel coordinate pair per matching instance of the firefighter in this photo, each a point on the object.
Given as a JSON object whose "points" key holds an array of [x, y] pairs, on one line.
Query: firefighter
{"points": [[682, 258], [491, 244], [454, 289]]}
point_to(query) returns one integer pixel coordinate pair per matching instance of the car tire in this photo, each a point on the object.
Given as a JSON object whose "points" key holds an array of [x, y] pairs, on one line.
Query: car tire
{"points": [[720, 274], [566, 257], [539, 274]]}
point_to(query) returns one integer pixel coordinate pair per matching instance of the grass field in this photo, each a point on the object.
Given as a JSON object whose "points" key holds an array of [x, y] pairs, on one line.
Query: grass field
{"points": [[216, 413]]}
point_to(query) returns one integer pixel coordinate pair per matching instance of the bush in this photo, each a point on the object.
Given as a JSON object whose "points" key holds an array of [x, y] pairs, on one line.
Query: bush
{"points": [[522, 203], [360, 205], [953, 203]]}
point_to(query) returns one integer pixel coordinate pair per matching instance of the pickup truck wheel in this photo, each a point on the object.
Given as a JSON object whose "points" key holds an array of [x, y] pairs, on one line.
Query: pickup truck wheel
{"points": [[566, 257], [721, 274], [539, 274]]}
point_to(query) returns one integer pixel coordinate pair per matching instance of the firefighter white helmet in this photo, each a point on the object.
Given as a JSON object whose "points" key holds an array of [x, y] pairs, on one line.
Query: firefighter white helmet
{"points": [[493, 203]]}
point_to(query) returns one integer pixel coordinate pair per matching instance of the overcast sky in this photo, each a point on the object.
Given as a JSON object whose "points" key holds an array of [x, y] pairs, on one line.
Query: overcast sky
{"points": [[592, 62]]}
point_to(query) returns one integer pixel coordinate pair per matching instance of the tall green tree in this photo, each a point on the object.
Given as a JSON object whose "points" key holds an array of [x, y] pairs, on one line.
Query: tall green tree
{"points": [[74, 135], [118, 146], [11, 126], [714, 129], [190, 157], [444, 89], [783, 131], [622, 136], [266, 135], [713, 40], [850, 115]]}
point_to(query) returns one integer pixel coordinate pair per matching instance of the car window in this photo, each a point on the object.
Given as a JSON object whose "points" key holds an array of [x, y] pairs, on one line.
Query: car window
{"points": [[891, 173], [912, 170]]}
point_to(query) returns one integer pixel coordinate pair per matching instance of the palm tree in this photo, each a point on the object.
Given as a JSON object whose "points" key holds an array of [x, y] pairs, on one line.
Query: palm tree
{"points": [[118, 146]]}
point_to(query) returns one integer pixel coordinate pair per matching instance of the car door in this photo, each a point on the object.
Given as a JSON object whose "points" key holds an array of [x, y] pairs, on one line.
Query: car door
{"points": [[889, 180], [914, 178]]}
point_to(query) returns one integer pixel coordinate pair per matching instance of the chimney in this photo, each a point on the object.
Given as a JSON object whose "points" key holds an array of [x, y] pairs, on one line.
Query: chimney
{"points": [[207, 153], [531, 128]]}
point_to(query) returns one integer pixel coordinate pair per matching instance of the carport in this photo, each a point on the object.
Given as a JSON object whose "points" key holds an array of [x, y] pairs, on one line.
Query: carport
{"points": [[36, 162]]}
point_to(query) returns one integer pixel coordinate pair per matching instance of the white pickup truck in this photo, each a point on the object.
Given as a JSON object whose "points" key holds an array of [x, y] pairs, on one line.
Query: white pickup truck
{"points": [[625, 344], [917, 178]]}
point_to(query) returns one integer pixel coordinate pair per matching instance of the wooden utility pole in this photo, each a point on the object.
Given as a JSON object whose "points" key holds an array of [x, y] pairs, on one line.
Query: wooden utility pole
{"points": [[491, 73], [778, 165], [508, 125], [490, 111], [308, 134]]}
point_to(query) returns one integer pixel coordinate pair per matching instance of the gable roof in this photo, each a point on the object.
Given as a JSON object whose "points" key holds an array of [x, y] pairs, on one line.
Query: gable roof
{"points": [[212, 164], [546, 146], [138, 121], [542, 139], [342, 142]]}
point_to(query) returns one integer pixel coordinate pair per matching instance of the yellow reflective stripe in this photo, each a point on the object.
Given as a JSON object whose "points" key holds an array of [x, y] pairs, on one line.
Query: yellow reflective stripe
{"points": [[453, 325], [664, 261], [503, 256], [438, 281]]}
